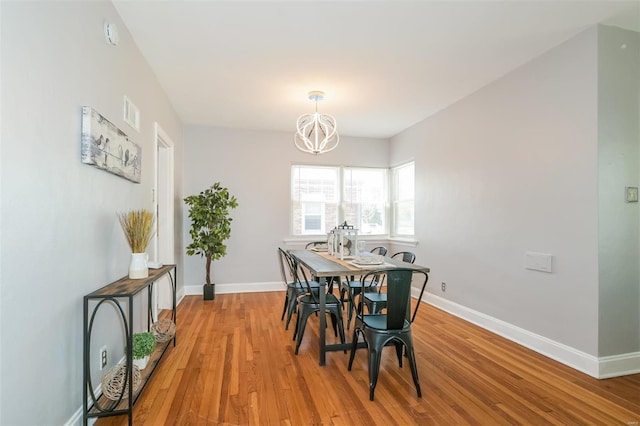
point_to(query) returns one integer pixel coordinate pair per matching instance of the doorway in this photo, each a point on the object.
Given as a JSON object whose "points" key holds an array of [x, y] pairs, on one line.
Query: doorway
{"points": [[163, 200]]}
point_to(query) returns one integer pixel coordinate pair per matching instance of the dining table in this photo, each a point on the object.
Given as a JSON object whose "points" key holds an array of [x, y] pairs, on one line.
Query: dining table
{"points": [[324, 266]]}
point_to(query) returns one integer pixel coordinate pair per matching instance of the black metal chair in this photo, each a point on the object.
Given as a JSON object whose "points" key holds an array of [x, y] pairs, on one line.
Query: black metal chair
{"points": [[377, 301], [308, 304], [294, 289], [350, 287], [394, 327]]}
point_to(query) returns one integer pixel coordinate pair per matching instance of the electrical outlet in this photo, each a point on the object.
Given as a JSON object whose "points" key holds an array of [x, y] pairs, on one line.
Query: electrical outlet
{"points": [[444, 286], [103, 357]]}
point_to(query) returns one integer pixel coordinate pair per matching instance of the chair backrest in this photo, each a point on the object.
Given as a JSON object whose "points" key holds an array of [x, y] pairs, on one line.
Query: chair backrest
{"points": [[299, 276], [399, 282], [285, 268], [407, 256], [382, 251]]}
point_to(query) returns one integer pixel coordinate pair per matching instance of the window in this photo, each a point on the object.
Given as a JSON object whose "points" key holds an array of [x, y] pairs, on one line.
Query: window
{"points": [[312, 217], [365, 200], [314, 199], [323, 197], [402, 199]]}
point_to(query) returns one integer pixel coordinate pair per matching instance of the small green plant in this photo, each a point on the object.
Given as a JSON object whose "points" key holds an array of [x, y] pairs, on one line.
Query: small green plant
{"points": [[143, 344]]}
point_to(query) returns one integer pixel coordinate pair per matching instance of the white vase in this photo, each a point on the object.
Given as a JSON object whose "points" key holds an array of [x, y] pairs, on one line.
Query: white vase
{"points": [[138, 267], [141, 363]]}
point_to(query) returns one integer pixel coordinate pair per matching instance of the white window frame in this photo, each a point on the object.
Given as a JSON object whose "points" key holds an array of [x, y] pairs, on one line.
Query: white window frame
{"points": [[395, 200], [340, 202]]}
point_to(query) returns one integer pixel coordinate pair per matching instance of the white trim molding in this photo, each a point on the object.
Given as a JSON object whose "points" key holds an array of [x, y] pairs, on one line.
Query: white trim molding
{"points": [[619, 365], [600, 368], [228, 288]]}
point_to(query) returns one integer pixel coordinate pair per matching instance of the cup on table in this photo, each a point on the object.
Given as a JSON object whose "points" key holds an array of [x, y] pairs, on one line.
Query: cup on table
{"points": [[362, 247]]}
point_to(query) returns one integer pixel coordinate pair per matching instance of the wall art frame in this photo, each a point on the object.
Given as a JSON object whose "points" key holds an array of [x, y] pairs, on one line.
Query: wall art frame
{"points": [[107, 147]]}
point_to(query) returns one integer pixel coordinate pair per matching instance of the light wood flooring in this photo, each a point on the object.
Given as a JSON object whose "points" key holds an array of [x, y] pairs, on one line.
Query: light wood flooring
{"points": [[234, 365]]}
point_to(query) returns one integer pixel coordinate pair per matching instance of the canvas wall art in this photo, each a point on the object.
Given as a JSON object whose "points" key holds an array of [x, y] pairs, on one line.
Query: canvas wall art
{"points": [[108, 148]]}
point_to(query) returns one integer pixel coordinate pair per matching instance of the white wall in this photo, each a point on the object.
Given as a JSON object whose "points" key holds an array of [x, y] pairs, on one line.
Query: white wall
{"points": [[619, 140], [255, 166], [60, 237], [510, 169]]}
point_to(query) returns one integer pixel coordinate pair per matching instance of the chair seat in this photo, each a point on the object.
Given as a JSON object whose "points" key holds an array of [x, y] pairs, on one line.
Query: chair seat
{"points": [[330, 300], [375, 302], [307, 304], [357, 284], [376, 297], [378, 322], [351, 288], [293, 292], [312, 284]]}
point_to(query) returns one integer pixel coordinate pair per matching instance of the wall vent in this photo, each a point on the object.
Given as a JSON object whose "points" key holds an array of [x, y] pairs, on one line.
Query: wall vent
{"points": [[131, 114]]}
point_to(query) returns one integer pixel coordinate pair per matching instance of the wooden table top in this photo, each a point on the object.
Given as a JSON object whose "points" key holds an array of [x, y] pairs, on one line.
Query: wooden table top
{"points": [[322, 264], [127, 286]]}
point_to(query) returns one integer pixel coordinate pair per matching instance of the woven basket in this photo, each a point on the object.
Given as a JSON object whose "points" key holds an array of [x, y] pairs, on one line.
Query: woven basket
{"points": [[114, 381], [164, 330]]}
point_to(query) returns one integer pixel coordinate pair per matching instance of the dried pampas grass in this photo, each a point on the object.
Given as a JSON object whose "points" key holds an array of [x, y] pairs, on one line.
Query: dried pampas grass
{"points": [[138, 228]]}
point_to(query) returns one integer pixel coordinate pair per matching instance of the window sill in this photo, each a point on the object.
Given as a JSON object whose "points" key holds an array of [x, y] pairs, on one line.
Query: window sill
{"points": [[404, 241]]}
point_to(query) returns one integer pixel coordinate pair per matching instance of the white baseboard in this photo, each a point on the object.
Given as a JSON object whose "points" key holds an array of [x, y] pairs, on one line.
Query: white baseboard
{"points": [[76, 418], [600, 368], [193, 290], [619, 365]]}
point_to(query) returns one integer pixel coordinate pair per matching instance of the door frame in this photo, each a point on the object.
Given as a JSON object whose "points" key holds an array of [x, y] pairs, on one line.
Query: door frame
{"points": [[164, 208]]}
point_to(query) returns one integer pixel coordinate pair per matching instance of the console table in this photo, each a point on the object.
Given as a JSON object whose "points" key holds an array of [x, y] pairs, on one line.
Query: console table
{"points": [[118, 293]]}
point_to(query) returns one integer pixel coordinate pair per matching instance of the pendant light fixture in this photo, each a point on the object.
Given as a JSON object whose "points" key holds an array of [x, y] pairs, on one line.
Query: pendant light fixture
{"points": [[316, 133]]}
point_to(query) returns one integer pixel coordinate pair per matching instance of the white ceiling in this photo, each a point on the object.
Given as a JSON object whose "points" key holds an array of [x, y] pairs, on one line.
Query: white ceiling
{"points": [[384, 65]]}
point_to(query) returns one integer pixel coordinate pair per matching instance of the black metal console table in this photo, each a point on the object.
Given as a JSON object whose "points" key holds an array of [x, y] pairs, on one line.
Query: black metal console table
{"points": [[119, 291]]}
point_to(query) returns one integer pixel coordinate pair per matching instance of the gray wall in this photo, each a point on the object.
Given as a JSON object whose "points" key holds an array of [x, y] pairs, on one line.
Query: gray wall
{"points": [[618, 150], [60, 238], [510, 169]]}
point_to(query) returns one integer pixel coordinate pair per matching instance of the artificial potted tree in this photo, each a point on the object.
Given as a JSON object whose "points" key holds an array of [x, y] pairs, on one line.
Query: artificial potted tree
{"points": [[143, 346], [210, 217]]}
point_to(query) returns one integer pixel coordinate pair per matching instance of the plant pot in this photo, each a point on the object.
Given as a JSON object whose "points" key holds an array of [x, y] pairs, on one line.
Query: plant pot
{"points": [[138, 267], [141, 363], [209, 291]]}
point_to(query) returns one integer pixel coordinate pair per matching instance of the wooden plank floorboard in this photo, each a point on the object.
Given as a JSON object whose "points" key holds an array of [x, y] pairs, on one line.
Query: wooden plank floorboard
{"points": [[234, 364]]}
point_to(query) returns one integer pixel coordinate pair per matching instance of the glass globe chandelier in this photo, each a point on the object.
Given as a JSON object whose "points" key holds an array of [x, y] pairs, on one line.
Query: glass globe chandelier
{"points": [[316, 133]]}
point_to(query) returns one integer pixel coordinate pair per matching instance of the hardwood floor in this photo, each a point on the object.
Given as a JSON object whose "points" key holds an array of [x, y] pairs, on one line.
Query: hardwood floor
{"points": [[234, 365]]}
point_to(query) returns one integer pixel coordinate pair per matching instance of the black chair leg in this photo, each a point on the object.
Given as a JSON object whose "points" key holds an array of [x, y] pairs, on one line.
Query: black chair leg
{"points": [[333, 324], [338, 315], [295, 328], [349, 308], [414, 370], [286, 305], [291, 309], [399, 347], [302, 317], [374, 369], [353, 348]]}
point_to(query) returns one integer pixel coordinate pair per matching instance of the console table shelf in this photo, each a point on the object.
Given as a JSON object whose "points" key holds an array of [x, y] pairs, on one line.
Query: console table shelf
{"points": [[119, 291]]}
